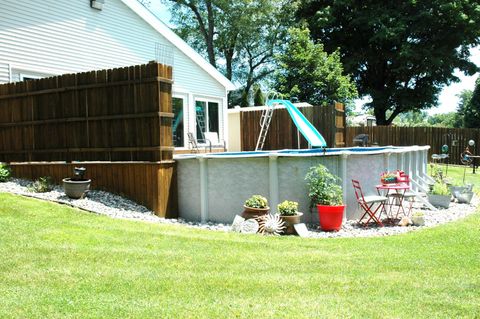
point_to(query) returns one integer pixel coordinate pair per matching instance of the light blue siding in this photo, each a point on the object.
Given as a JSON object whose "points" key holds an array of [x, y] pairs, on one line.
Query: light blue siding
{"points": [[52, 37], [4, 73]]}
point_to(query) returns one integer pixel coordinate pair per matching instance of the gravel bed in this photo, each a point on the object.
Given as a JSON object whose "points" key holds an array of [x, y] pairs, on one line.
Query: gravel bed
{"points": [[432, 218], [115, 206]]}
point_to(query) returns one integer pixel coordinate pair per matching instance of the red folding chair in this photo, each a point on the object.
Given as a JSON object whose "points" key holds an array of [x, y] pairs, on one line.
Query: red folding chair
{"points": [[368, 203], [409, 196]]}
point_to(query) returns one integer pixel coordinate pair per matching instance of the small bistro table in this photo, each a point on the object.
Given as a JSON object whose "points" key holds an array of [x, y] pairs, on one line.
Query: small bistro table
{"points": [[399, 190]]}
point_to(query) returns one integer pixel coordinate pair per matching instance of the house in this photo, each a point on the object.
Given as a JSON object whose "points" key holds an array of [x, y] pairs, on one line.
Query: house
{"points": [[52, 37]]}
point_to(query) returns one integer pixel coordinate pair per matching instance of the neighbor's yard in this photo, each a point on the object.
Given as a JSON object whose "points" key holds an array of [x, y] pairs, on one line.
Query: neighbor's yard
{"points": [[61, 262]]}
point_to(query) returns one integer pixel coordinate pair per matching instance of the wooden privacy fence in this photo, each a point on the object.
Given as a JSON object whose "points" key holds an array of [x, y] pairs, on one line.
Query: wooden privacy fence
{"points": [[149, 184], [282, 134], [108, 115], [456, 138]]}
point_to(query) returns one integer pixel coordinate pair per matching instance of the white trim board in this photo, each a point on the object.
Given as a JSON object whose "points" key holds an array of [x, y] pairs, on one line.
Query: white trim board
{"points": [[173, 38]]}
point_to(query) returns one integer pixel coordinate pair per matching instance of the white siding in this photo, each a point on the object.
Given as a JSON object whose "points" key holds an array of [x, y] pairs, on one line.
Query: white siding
{"points": [[4, 73], [67, 36]]}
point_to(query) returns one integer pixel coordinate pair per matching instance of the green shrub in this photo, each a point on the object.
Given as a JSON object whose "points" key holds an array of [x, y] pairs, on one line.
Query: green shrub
{"points": [[5, 172], [288, 208], [440, 188], [257, 201], [323, 187], [41, 185], [436, 172], [258, 98]]}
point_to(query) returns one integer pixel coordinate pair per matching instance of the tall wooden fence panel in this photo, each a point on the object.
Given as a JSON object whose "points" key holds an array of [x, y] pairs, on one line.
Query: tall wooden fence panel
{"points": [[456, 138], [283, 134], [109, 115]]}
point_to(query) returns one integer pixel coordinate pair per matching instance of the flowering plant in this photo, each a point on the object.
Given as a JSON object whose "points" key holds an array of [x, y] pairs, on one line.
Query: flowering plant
{"points": [[257, 201], [388, 177], [288, 208]]}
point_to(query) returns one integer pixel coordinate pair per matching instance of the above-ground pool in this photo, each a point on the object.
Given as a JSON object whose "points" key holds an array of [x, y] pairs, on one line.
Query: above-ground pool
{"points": [[213, 187]]}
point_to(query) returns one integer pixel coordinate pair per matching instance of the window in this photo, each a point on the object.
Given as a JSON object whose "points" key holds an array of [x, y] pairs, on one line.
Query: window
{"points": [[26, 77], [177, 125], [207, 118]]}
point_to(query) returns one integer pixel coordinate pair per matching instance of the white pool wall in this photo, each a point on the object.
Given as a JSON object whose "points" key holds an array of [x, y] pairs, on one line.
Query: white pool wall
{"points": [[214, 188]]}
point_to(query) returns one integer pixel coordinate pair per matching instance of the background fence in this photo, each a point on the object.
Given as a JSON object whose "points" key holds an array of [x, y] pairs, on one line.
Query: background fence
{"points": [[282, 134], [108, 115], [456, 138]]}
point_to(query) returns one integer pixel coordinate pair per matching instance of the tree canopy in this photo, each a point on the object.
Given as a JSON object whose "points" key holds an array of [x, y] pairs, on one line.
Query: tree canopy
{"points": [[308, 73], [238, 37], [471, 111], [400, 53]]}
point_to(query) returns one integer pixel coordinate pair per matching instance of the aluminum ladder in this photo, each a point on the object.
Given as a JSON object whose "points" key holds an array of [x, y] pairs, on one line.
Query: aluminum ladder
{"points": [[201, 121], [264, 125]]}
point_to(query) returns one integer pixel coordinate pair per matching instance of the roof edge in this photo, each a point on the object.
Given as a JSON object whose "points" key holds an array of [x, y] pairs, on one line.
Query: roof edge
{"points": [[178, 42]]}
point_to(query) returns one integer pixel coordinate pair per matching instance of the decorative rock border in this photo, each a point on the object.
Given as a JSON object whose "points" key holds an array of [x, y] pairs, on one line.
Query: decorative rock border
{"points": [[116, 206]]}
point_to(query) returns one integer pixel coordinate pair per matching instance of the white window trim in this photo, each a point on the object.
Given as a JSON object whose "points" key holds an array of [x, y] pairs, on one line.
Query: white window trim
{"points": [[184, 97], [203, 98], [29, 76]]}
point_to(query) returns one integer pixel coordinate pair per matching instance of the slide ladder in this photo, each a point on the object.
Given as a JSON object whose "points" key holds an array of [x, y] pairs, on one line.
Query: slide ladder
{"points": [[311, 134]]}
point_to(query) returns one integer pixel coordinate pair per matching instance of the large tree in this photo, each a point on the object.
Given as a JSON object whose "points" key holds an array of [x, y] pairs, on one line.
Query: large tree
{"points": [[471, 111], [240, 37], [308, 73], [400, 53]]}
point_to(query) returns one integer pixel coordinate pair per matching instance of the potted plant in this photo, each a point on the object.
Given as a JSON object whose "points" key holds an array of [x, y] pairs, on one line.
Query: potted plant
{"points": [[440, 195], [289, 213], [257, 205], [388, 178], [418, 219], [326, 194], [77, 186]]}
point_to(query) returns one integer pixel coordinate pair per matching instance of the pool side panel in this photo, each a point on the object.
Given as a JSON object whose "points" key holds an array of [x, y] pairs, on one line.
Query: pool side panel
{"points": [[292, 184], [231, 181], [188, 181]]}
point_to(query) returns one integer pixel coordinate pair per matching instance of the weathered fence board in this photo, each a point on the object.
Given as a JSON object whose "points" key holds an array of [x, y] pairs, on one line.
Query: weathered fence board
{"points": [[433, 136], [282, 134], [109, 115], [149, 184]]}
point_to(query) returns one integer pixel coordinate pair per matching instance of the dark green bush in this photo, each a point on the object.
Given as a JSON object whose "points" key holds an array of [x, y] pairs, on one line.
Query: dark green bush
{"points": [[41, 185], [5, 172]]}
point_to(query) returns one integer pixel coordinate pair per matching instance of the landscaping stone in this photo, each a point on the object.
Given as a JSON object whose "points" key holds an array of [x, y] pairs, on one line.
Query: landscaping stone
{"points": [[115, 206]]}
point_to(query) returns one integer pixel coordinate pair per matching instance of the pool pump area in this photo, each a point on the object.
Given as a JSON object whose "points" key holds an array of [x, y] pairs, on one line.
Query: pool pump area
{"points": [[213, 187]]}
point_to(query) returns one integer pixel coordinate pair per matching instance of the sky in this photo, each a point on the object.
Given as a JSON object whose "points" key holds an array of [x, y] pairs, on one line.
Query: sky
{"points": [[447, 100]]}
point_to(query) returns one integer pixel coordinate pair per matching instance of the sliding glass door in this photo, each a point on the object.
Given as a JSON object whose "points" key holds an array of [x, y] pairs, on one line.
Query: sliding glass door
{"points": [[177, 124], [207, 118]]}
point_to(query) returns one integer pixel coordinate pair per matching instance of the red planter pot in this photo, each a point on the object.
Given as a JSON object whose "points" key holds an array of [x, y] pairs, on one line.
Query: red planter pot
{"points": [[330, 217]]}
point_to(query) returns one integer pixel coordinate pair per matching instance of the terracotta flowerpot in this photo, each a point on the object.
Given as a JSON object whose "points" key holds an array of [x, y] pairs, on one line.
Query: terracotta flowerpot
{"points": [[76, 189], [331, 217], [251, 212], [290, 221]]}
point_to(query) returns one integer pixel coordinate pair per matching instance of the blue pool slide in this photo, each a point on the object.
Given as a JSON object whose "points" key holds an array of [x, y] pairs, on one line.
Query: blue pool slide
{"points": [[314, 138]]}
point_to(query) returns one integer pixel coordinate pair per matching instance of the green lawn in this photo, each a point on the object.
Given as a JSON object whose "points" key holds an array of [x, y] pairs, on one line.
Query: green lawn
{"points": [[61, 262], [455, 174]]}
